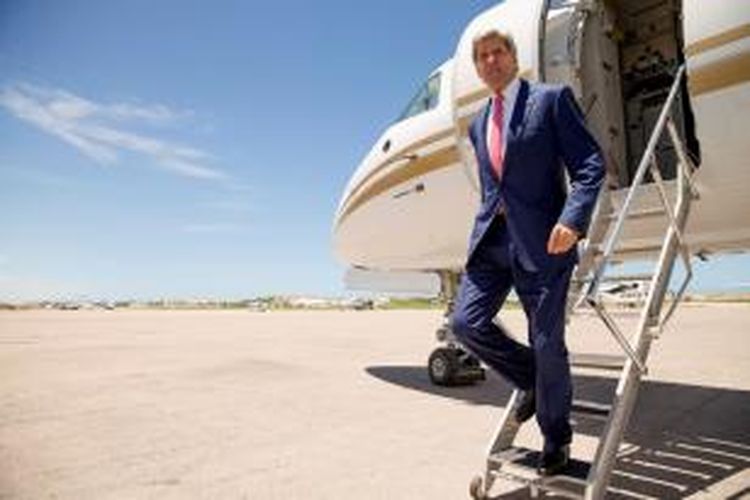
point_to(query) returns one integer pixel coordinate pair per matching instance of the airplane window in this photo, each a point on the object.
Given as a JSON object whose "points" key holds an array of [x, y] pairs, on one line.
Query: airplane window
{"points": [[425, 100]]}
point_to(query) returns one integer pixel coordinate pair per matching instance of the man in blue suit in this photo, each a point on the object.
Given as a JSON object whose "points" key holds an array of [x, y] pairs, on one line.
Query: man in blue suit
{"points": [[525, 235]]}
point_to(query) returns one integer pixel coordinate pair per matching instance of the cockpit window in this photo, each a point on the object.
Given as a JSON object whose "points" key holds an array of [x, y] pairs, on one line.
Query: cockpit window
{"points": [[426, 98]]}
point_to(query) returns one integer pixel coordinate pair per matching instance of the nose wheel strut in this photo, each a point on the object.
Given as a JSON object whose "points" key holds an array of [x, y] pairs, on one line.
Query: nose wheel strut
{"points": [[452, 366]]}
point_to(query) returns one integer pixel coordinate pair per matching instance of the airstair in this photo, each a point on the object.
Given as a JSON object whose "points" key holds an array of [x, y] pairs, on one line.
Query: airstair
{"points": [[589, 480]]}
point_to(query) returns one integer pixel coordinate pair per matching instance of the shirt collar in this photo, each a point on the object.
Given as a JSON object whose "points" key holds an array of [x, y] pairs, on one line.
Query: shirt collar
{"points": [[510, 91]]}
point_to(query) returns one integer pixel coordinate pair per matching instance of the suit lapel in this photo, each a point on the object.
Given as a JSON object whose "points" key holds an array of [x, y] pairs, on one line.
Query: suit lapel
{"points": [[525, 104], [485, 150]]}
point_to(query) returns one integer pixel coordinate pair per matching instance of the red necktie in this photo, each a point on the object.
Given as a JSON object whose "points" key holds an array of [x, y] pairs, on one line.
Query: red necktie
{"points": [[496, 136]]}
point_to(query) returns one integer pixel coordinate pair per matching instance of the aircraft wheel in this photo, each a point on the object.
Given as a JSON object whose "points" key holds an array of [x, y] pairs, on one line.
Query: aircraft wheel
{"points": [[443, 366], [476, 489]]}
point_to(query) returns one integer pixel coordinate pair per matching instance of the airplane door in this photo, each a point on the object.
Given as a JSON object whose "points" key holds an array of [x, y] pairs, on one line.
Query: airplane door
{"points": [[578, 47], [561, 27]]}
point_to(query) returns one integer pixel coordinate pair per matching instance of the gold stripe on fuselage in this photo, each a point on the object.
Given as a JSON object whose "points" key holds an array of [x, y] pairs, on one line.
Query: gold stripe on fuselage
{"points": [[441, 158], [712, 42], [403, 154], [721, 74], [711, 77], [472, 98]]}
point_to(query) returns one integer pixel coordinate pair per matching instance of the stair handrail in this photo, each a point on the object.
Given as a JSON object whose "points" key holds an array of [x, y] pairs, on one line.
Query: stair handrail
{"points": [[637, 181]]}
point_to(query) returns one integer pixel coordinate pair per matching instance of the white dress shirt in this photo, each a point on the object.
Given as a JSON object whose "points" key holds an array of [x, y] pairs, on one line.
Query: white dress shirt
{"points": [[509, 103]]}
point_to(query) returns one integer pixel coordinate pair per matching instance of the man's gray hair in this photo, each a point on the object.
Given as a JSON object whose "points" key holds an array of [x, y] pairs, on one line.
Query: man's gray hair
{"points": [[485, 34]]}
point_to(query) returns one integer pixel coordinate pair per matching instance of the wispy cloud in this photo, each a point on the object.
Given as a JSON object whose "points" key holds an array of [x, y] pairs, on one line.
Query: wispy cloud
{"points": [[97, 130]]}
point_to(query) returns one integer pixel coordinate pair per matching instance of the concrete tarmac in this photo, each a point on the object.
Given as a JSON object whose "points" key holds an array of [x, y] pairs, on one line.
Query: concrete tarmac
{"points": [[332, 405]]}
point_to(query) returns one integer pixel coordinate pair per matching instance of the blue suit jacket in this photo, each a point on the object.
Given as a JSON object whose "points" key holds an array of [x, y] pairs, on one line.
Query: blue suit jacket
{"points": [[547, 134]]}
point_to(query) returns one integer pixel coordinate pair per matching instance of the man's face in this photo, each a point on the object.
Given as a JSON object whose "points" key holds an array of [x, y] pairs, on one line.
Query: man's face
{"points": [[496, 65]]}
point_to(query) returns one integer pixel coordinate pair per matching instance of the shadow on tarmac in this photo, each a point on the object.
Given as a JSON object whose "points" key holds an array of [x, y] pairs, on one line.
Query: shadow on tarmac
{"points": [[681, 438]]}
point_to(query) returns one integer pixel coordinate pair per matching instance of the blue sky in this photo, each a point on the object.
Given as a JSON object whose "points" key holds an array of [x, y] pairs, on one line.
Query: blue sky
{"points": [[198, 149]]}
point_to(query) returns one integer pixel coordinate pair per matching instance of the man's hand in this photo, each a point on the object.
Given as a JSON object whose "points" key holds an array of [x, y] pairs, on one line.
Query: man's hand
{"points": [[561, 239]]}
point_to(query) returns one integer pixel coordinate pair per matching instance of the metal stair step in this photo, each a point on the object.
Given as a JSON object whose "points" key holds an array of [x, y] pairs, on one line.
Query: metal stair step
{"points": [[519, 464], [591, 409], [628, 277], [611, 362], [616, 278], [630, 249], [637, 214]]}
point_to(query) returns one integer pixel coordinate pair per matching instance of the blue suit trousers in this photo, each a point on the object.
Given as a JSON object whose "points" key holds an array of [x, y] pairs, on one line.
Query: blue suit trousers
{"points": [[490, 273]]}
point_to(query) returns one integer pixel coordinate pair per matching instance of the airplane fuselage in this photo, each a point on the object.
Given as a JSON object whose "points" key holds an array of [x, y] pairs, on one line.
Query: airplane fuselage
{"points": [[410, 203]]}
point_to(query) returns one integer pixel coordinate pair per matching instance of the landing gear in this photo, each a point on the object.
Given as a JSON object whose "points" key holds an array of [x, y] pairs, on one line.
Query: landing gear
{"points": [[451, 365], [476, 489]]}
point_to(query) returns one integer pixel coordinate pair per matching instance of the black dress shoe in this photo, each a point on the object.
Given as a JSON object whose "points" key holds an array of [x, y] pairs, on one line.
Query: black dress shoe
{"points": [[554, 462], [526, 407]]}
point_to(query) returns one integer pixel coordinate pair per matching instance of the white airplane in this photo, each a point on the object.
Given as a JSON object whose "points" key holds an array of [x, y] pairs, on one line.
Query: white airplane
{"points": [[410, 204]]}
